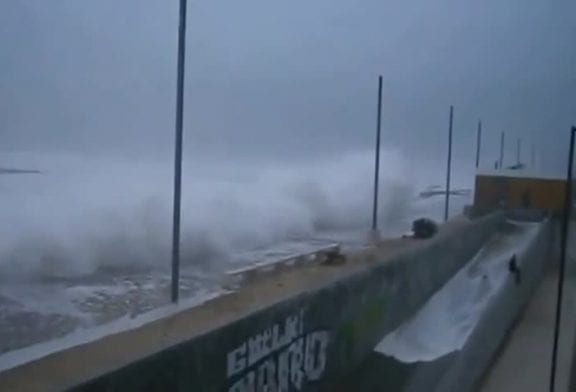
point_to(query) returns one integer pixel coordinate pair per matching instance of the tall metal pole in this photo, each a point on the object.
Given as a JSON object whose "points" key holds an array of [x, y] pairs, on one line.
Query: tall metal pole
{"points": [[377, 158], [563, 254], [178, 153], [478, 143], [449, 166], [501, 160]]}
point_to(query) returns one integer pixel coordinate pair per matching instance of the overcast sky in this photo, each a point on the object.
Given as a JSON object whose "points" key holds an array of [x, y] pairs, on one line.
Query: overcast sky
{"points": [[287, 78]]}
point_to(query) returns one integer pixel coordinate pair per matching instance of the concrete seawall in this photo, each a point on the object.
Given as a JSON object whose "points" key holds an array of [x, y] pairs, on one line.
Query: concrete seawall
{"points": [[302, 331]]}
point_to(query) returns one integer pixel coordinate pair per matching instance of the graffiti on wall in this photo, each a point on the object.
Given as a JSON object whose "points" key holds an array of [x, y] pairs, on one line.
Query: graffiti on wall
{"points": [[281, 358]]}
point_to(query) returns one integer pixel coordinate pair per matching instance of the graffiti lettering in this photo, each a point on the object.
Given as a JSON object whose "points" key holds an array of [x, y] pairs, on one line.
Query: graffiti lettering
{"points": [[278, 359]]}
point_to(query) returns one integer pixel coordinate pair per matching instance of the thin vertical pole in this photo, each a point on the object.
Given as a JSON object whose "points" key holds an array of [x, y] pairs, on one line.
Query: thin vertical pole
{"points": [[449, 165], [518, 151], [563, 251], [377, 157], [478, 143], [501, 160], [178, 153]]}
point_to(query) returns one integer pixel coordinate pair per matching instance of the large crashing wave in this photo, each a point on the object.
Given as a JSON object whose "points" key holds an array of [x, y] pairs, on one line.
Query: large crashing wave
{"points": [[84, 214]]}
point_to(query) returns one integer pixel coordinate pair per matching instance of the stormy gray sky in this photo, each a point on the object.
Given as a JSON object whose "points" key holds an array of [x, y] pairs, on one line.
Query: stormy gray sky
{"points": [[287, 78]]}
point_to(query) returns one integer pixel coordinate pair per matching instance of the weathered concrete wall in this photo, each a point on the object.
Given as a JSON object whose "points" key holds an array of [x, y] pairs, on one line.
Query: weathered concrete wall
{"points": [[462, 370], [305, 342], [474, 360], [310, 341]]}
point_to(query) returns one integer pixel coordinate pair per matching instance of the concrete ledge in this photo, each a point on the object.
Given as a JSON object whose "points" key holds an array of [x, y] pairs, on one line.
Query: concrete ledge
{"points": [[247, 274]]}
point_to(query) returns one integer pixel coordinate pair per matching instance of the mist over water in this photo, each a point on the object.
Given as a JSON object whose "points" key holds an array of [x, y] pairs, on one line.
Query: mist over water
{"points": [[84, 214]]}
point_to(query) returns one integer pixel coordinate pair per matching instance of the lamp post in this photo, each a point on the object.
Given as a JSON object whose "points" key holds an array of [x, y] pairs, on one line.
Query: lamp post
{"points": [[478, 143], [377, 160], [449, 166], [563, 254], [178, 152], [501, 160]]}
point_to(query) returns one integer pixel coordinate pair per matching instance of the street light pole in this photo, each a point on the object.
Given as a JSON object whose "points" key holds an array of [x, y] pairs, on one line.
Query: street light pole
{"points": [[449, 166], [501, 161], [175, 284], [563, 254], [478, 143], [377, 159]]}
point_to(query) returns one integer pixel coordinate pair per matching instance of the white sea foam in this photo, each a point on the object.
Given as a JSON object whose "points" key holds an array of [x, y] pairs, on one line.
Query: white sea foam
{"points": [[81, 214]]}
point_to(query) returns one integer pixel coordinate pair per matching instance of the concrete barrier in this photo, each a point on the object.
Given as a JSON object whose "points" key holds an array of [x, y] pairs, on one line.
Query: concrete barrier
{"points": [[462, 370], [303, 342]]}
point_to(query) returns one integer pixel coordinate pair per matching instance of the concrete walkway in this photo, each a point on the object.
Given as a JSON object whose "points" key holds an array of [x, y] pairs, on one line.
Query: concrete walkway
{"points": [[524, 363]]}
